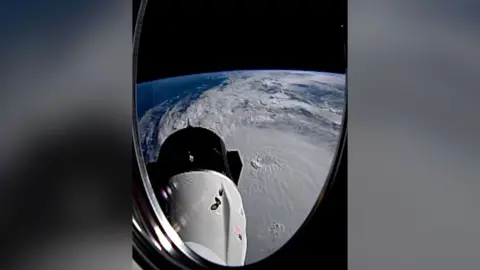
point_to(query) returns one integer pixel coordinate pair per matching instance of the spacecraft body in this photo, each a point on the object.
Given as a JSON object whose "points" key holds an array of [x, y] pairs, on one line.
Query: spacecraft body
{"points": [[196, 180]]}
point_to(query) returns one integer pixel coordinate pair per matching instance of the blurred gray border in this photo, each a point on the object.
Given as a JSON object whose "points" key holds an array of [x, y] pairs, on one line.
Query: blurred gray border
{"points": [[413, 146], [65, 114]]}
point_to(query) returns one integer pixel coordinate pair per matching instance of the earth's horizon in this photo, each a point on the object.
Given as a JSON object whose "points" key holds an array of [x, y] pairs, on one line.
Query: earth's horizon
{"points": [[285, 124]]}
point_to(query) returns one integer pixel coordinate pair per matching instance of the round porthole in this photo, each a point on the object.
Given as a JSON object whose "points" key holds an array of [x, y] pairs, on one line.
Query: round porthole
{"points": [[231, 163]]}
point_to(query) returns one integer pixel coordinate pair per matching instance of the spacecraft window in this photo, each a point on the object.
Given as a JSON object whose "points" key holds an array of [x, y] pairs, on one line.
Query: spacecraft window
{"points": [[286, 125]]}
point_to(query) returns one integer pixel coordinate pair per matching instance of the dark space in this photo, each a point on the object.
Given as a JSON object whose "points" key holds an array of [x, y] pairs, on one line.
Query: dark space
{"points": [[189, 37]]}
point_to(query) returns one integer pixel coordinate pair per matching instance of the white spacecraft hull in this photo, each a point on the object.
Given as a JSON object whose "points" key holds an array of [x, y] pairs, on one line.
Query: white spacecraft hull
{"points": [[206, 209]]}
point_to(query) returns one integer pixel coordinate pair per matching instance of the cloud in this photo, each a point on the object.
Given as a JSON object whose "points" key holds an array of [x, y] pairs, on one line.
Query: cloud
{"points": [[286, 126]]}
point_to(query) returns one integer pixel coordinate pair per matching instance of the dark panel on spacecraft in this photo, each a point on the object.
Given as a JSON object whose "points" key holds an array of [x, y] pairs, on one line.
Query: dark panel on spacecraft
{"points": [[235, 165], [193, 149]]}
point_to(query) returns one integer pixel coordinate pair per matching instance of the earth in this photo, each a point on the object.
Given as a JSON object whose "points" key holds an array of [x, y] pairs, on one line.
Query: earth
{"points": [[286, 125]]}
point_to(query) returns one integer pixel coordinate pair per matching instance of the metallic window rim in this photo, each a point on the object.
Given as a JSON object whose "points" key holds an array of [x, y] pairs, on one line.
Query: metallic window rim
{"points": [[155, 242]]}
